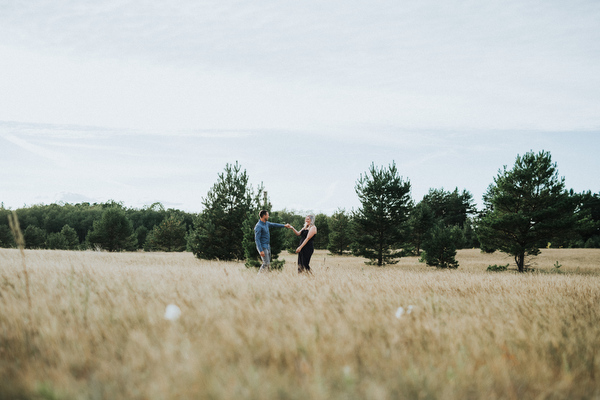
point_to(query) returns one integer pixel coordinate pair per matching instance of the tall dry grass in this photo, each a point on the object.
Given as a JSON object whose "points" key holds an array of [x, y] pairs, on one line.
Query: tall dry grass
{"points": [[97, 328]]}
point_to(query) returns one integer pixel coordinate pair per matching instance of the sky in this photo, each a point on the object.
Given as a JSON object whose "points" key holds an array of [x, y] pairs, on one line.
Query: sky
{"points": [[142, 101]]}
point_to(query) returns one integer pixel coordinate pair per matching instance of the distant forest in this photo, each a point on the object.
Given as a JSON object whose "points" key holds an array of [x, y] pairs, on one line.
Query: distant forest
{"points": [[519, 201]]}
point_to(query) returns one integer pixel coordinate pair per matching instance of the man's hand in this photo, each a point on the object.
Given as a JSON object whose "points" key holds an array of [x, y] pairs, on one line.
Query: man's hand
{"points": [[288, 226], [262, 253]]}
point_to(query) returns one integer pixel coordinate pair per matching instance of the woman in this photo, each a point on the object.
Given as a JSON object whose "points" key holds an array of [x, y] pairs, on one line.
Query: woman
{"points": [[306, 248]]}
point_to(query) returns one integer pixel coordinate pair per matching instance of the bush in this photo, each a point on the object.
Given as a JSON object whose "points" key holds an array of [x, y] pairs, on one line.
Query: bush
{"points": [[439, 249], [497, 268], [35, 238], [592, 243], [113, 232], [169, 235], [57, 241]]}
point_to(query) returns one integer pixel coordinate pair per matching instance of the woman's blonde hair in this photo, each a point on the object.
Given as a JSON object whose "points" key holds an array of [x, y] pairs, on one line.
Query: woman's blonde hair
{"points": [[312, 222]]}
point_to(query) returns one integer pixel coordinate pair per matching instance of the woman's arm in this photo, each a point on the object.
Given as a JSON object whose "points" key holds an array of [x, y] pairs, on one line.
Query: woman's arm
{"points": [[295, 231]]}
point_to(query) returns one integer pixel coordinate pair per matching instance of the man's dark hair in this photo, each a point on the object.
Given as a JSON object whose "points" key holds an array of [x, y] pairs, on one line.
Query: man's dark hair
{"points": [[262, 213]]}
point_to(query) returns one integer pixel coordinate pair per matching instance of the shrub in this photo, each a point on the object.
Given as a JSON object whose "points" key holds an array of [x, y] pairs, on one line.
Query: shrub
{"points": [[497, 268], [439, 249]]}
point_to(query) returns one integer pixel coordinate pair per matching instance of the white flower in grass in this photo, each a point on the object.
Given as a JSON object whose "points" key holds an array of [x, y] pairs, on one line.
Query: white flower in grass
{"points": [[347, 370], [409, 309], [172, 312], [399, 312]]}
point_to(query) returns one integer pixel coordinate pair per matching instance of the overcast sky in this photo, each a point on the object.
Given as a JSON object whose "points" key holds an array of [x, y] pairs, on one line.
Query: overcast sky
{"points": [[144, 101]]}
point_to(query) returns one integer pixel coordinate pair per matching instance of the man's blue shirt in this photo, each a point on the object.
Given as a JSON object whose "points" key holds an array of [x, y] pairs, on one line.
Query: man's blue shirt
{"points": [[262, 237]]}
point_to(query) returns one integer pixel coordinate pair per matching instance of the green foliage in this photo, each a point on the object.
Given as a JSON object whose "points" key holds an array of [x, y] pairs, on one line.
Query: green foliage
{"points": [[321, 240], [497, 268], [35, 238], [452, 208], [587, 225], [56, 241], [470, 239], [71, 238], [291, 241], [420, 222], [6, 237], [217, 232], [113, 232], [380, 224], [141, 234], [169, 235], [339, 232], [557, 265], [592, 243], [439, 248], [526, 207]]}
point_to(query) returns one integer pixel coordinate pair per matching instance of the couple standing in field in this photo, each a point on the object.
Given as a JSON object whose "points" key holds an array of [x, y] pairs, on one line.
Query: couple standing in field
{"points": [[262, 237]]}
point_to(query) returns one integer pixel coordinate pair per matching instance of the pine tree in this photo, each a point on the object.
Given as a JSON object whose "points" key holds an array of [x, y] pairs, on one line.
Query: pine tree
{"points": [[439, 248], [217, 232], [321, 240], [421, 220], [380, 223], [71, 238], [169, 235], [525, 208], [339, 234], [113, 232]]}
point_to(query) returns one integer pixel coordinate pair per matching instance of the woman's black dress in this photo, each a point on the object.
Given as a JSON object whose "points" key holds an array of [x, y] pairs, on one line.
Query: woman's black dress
{"points": [[306, 252]]}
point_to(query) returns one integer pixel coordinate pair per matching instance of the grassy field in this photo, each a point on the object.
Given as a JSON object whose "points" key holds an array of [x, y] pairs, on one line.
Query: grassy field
{"points": [[96, 329]]}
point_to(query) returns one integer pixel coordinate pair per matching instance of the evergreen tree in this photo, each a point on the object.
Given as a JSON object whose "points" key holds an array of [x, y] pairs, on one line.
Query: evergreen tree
{"points": [[57, 241], [453, 208], [141, 234], [439, 248], [217, 232], [322, 238], [169, 235], [421, 220], [380, 224], [113, 232], [339, 232], [35, 237], [525, 208], [587, 226], [6, 236], [71, 238]]}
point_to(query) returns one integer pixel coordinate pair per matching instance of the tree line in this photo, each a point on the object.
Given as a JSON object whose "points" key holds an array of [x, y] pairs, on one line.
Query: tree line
{"points": [[525, 208]]}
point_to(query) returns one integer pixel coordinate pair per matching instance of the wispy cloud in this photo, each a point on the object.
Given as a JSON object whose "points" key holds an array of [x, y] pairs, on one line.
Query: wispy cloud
{"points": [[58, 158]]}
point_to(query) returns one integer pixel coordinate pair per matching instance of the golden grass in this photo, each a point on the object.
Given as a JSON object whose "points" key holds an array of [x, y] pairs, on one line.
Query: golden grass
{"points": [[98, 332]]}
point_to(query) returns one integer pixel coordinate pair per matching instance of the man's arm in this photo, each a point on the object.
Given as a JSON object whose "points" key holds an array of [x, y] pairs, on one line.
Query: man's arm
{"points": [[275, 225], [257, 234]]}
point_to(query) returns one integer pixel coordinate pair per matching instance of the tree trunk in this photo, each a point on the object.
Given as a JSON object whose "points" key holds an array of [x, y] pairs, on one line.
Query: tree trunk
{"points": [[520, 260]]}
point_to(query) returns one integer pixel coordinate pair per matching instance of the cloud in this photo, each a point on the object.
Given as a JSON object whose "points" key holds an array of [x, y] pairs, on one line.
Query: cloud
{"points": [[502, 65], [58, 158]]}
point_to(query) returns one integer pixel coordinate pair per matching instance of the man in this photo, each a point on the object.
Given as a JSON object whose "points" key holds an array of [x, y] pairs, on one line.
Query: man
{"points": [[262, 237]]}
